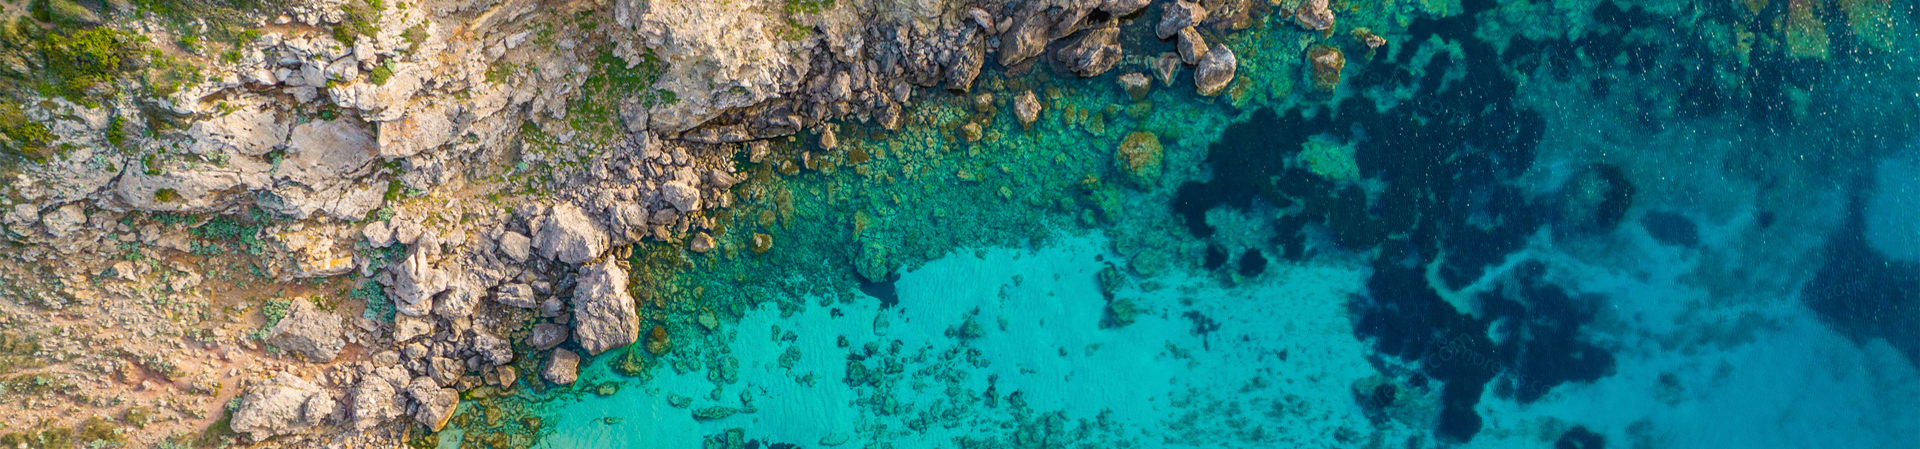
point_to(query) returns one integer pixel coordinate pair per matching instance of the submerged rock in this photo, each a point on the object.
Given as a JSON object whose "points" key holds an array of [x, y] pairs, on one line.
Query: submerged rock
{"points": [[283, 405], [1027, 108], [1167, 67], [1137, 85], [1327, 63], [1139, 159], [658, 342], [603, 311], [309, 332], [1313, 15], [1215, 71]]}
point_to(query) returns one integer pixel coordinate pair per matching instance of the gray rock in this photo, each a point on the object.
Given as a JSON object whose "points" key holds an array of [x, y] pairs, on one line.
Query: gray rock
{"points": [[515, 246], [1095, 53], [683, 195], [563, 367], [416, 280], [1177, 15], [308, 332], [516, 295], [701, 242], [378, 234], [1215, 71], [374, 402], [547, 335], [964, 63], [604, 312], [65, 220], [1027, 108], [435, 404], [407, 327], [445, 370], [1192, 47], [567, 234], [496, 350], [1313, 15], [457, 301], [283, 405], [1026, 39], [1123, 7]]}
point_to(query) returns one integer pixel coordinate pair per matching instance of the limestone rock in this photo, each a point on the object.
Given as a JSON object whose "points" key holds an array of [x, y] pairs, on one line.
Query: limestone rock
{"points": [[413, 133], [1191, 46], [308, 331], [283, 405], [250, 130], [1178, 15], [604, 313], [1027, 37], [1136, 84], [496, 350], [516, 295], [416, 281], [1313, 15], [65, 220], [701, 243], [435, 404], [567, 234], [1215, 71], [516, 246], [563, 367], [374, 402], [682, 195], [547, 335], [1027, 108], [1123, 7], [1095, 53]]}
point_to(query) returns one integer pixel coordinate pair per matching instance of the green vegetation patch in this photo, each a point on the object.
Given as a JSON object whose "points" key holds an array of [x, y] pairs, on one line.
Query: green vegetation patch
{"points": [[597, 108]]}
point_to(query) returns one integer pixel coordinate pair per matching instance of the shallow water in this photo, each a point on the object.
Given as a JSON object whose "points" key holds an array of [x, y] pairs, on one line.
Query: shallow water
{"points": [[1658, 230]]}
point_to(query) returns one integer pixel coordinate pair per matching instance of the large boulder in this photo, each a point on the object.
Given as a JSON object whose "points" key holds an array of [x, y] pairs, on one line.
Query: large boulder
{"points": [[1026, 39], [309, 332], [416, 280], [1095, 53], [376, 400], [603, 312], [1178, 15], [547, 335], [1215, 71], [569, 235], [563, 367], [434, 404], [283, 405]]}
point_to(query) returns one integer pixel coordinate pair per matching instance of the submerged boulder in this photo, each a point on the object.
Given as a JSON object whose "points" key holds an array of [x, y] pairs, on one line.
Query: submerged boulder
{"points": [[1215, 71], [1139, 159]]}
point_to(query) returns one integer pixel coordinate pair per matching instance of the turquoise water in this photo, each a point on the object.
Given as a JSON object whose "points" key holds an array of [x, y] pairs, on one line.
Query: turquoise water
{"points": [[1559, 224]]}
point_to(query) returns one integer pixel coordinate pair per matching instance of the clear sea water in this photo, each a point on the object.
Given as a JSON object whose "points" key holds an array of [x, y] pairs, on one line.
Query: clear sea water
{"points": [[1672, 227]]}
